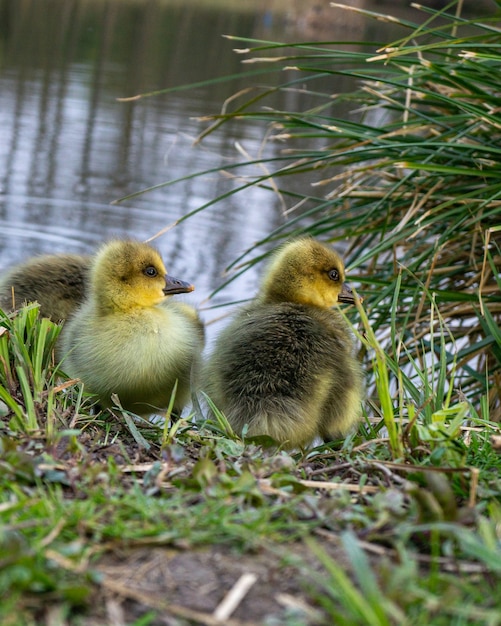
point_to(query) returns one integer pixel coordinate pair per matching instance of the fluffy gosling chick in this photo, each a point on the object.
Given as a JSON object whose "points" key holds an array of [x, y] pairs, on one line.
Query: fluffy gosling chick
{"points": [[126, 339], [285, 365], [56, 281]]}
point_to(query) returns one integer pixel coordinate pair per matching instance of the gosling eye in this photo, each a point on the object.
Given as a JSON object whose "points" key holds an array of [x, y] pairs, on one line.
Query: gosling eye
{"points": [[150, 271], [334, 275]]}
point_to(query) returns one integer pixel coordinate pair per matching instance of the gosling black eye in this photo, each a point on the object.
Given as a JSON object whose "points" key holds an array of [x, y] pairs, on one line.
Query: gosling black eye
{"points": [[334, 275], [150, 271]]}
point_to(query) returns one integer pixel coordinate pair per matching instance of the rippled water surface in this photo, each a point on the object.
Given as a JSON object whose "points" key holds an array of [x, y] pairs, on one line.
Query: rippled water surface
{"points": [[69, 146]]}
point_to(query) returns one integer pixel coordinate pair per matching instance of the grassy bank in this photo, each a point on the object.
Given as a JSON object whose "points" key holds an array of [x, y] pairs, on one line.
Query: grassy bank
{"points": [[396, 526], [107, 519]]}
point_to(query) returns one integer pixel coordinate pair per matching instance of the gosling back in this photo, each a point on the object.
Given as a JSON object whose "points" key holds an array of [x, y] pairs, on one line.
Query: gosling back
{"points": [[285, 365]]}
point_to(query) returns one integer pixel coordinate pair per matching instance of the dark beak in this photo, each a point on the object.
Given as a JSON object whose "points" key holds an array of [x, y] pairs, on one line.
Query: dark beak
{"points": [[174, 285], [347, 295]]}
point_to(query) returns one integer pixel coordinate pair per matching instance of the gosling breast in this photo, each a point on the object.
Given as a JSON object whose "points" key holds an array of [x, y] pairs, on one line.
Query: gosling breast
{"points": [[140, 357]]}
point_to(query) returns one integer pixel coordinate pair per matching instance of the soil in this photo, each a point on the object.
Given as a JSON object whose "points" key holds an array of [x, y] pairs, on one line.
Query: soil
{"points": [[188, 586]]}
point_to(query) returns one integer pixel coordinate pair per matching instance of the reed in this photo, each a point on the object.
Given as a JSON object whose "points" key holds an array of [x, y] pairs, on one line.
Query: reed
{"points": [[410, 179]]}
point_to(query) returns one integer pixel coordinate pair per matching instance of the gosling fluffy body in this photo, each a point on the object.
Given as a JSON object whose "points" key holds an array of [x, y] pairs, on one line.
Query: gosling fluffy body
{"points": [[285, 365], [126, 338], [56, 281]]}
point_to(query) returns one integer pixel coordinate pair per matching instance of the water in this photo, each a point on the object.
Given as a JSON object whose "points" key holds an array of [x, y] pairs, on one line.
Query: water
{"points": [[69, 147]]}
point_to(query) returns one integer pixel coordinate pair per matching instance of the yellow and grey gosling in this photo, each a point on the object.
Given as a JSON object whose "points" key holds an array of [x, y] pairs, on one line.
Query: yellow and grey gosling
{"points": [[127, 338], [56, 281], [285, 365]]}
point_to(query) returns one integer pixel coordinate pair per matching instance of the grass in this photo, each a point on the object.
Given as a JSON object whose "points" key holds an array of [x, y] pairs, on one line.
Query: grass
{"points": [[398, 523], [401, 530]]}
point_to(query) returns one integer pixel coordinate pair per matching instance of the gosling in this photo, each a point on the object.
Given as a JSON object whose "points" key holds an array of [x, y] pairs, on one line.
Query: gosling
{"points": [[285, 365], [56, 281], [127, 339]]}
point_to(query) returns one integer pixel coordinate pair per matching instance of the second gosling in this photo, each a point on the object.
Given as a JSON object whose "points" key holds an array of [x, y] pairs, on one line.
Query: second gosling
{"points": [[126, 338], [285, 365], [56, 281]]}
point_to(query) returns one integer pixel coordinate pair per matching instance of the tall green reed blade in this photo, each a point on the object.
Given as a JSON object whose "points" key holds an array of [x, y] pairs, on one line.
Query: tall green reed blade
{"points": [[220, 418], [382, 382], [30, 410], [44, 342], [14, 407], [367, 605], [404, 167]]}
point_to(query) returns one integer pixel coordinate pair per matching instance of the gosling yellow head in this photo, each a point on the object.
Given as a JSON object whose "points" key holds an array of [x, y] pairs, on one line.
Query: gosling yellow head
{"points": [[306, 272], [128, 275]]}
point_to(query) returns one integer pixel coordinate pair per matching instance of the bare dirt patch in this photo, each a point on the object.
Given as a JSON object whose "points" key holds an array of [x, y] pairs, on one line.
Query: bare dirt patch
{"points": [[191, 584]]}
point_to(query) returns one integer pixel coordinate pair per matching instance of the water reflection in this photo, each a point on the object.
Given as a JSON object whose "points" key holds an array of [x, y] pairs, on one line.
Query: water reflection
{"points": [[69, 147]]}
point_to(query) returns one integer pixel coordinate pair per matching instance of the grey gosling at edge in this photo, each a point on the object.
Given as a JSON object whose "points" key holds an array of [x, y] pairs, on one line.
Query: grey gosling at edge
{"points": [[127, 338], [285, 365], [56, 281]]}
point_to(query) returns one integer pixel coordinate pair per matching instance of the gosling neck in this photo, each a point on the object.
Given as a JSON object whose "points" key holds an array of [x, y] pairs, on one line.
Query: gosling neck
{"points": [[113, 302]]}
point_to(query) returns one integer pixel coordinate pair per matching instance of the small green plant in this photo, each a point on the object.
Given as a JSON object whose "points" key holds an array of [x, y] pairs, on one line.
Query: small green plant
{"points": [[346, 602], [27, 366], [396, 593]]}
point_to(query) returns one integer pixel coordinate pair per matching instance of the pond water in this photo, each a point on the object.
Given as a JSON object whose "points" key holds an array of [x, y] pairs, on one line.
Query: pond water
{"points": [[69, 147]]}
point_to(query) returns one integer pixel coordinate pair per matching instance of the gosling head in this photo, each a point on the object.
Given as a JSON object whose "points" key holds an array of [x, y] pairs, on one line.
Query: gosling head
{"points": [[305, 271], [128, 275]]}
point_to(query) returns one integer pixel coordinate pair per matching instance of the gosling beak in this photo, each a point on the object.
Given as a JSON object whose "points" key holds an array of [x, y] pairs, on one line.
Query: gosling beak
{"points": [[174, 285], [346, 294]]}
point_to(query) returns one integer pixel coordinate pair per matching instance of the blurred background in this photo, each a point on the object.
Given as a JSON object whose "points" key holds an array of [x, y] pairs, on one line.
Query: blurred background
{"points": [[69, 146]]}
